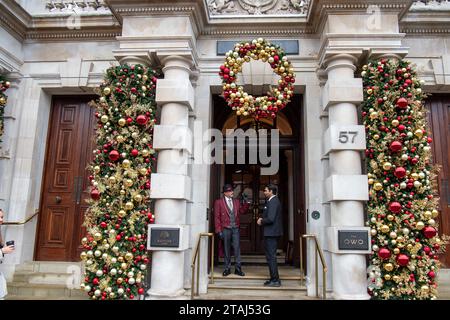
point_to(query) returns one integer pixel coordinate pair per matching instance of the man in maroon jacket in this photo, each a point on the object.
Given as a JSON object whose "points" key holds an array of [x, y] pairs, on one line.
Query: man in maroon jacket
{"points": [[226, 217]]}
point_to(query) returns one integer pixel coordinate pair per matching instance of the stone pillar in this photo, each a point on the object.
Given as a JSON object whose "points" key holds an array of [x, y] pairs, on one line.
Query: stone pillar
{"points": [[346, 187], [171, 185]]}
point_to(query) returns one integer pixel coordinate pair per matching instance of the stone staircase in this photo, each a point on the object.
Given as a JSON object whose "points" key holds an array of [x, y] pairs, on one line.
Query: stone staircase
{"points": [[251, 286], [38, 280]]}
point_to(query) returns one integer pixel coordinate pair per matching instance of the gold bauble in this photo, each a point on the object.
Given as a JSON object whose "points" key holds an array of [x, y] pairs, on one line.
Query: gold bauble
{"points": [[122, 122], [128, 182], [420, 225], [418, 133], [395, 122], [396, 251], [107, 91], [387, 166], [373, 115], [124, 266], [400, 239], [390, 217], [122, 192], [119, 280], [122, 213], [145, 77], [83, 256], [396, 278], [376, 136], [120, 259], [112, 180], [129, 256], [120, 139], [415, 176], [143, 171], [370, 181], [145, 153], [393, 235], [387, 277], [434, 213], [138, 198], [425, 289], [126, 163], [84, 240], [96, 169], [409, 247], [129, 206], [2, 100], [427, 214], [104, 118], [98, 236], [384, 228], [389, 267], [378, 186]]}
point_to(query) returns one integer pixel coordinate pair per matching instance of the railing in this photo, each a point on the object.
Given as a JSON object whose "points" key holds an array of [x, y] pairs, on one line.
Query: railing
{"points": [[196, 258], [16, 223], [324, 265]]}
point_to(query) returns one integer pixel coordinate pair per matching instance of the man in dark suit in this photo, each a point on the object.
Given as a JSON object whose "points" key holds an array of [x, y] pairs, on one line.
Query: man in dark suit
{"points": [[272, 223], [226, 220]]}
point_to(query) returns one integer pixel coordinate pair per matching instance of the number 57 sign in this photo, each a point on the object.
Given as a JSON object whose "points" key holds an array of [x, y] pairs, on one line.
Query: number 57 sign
{"points": [[352, 137]]}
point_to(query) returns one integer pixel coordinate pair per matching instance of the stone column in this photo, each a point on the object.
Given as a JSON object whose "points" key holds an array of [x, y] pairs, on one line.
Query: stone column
{"points": [[346, 187], [171, 185]]}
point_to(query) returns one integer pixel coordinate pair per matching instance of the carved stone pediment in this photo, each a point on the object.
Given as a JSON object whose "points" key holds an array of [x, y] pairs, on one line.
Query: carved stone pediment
{"points": [[257, 7]]}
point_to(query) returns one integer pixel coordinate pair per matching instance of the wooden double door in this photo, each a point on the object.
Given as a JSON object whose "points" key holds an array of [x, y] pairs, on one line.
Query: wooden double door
{"points": [[65, 187], [439, 120], [247, 178]]}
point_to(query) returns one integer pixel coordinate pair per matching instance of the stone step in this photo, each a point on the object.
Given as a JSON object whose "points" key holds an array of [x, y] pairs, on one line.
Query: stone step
{"points": [[47, 278], [254, 295], [50, 266], [255, 259], [254, 284], [16, 297], [26, 289]]}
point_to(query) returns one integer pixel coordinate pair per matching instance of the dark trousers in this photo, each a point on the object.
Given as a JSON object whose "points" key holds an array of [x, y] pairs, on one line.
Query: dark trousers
{"points": [[231, 237], [270, 247]]}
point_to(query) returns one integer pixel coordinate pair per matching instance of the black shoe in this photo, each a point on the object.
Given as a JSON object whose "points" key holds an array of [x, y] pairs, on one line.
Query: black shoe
{"points": [[239, 272], [226, 272], [276, 283], [267, 282]]}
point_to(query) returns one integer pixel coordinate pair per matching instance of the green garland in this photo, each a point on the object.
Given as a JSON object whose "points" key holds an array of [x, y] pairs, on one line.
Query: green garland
{"points": [[115, 253], [403, 205], [4, 85]]}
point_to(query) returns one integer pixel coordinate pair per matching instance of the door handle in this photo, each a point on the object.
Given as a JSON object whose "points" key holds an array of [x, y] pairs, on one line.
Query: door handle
{"points": [[79, 184], [58, 199]]}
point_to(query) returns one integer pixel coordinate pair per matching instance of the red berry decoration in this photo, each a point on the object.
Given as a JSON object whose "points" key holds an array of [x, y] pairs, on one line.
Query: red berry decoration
{"points": [[429, 232], [114, 155], [402, 103], [384, 253], [396, 146], [134, 152], [400, 172], [395, 207], [402, 260], [95, 194], [142, 119]]}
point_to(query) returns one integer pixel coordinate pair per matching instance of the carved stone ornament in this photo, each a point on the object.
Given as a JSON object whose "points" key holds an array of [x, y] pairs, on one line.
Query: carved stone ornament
{"points": [[257, 7], [76, 6], [431, 5]]}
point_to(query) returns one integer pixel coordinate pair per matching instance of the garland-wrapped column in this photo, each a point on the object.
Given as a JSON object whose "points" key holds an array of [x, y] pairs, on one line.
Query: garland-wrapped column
{"points": [[171, 185], [346, 186]]}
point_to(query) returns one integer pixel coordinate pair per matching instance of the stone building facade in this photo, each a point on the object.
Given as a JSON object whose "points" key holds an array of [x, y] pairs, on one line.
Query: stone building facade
{"points": [[55, 54]]}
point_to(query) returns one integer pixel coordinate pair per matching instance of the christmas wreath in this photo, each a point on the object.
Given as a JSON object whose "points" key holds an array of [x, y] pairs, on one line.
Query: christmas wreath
{"points": [[245, 104]]}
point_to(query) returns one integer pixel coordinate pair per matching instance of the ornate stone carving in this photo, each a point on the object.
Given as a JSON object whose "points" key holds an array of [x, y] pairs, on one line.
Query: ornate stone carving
{"points": [[257, 7], [431, 5], [77, 6]]}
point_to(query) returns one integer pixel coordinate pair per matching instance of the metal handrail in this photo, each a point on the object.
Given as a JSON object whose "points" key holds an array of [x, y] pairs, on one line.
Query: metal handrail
{"points": [[16, 223], [196, 258], [319, 252]]}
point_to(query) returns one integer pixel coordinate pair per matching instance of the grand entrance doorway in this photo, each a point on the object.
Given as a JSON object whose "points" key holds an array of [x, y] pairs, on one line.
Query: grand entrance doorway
{"points": [[247, 178], [65, 184]]}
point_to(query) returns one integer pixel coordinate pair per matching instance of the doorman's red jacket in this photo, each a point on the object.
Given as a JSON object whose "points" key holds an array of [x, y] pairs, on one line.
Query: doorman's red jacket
{"points": [[221, 217]]}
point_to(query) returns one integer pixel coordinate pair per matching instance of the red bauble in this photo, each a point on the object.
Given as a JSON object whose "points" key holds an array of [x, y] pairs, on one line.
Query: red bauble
{"points": [[395, 207], [134, 152], [95, 194], [95, 281], [402, 260], [400, 172], [396, 146], [402, 103], [141, 290], [431, 274], [401, 127], [141, 119], [103, 224], [429, 232], [384, 253], [114, 155]]}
